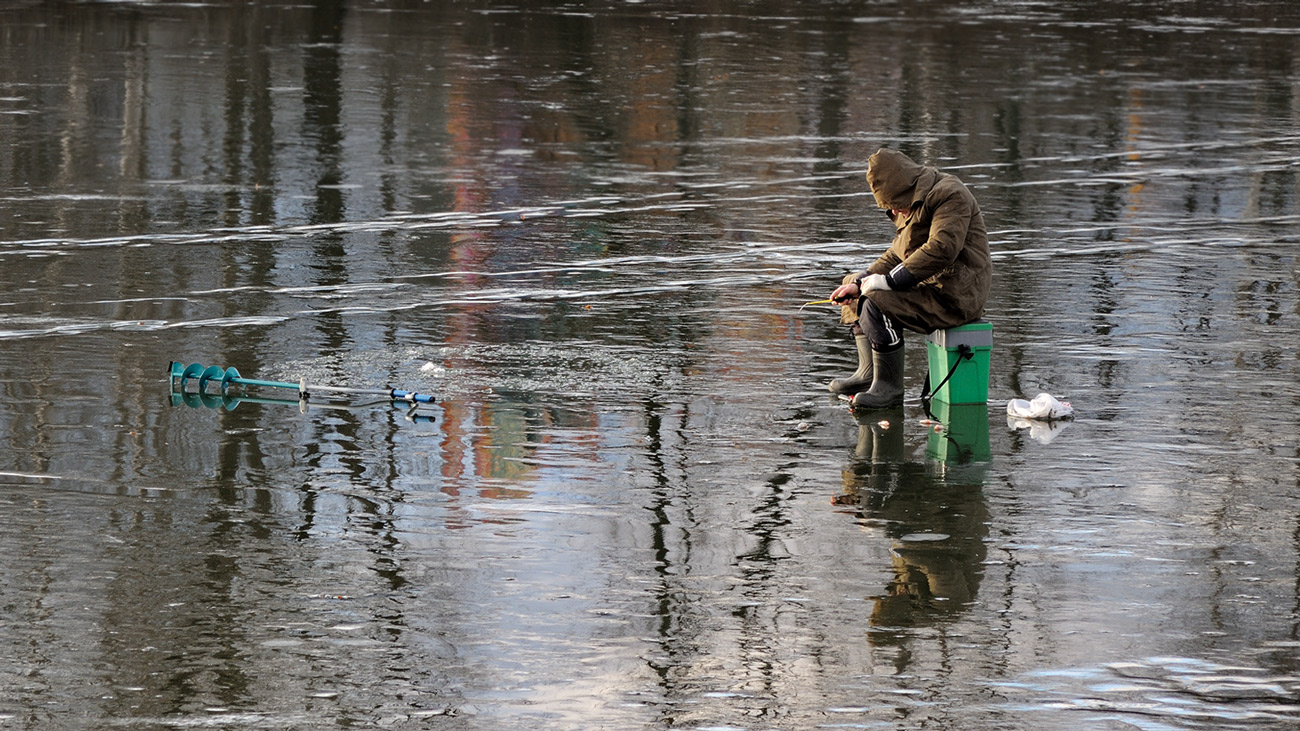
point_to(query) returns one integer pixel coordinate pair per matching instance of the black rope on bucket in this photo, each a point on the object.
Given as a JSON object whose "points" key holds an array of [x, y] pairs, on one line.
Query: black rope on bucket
{"points": [[964, 352]]}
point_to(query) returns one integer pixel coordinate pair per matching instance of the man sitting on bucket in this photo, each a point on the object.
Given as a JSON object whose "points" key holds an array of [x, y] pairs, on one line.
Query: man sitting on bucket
{"points": [[935, 275]]}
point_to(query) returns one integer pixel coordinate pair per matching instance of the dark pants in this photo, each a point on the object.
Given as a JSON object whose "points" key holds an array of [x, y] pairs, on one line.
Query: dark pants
{"points": [[881, 330]]}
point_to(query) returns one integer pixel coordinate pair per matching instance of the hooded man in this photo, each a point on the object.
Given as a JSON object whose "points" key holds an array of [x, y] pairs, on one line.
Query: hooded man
{"points": [[935, 275]]}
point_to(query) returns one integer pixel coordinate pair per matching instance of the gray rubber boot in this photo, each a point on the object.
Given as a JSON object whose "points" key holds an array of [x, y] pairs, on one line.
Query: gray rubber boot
{"points": [[887, 383], [861, 378]]}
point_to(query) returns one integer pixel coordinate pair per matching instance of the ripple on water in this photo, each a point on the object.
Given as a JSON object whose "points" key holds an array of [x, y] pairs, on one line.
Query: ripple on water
{"points": [[1177, 690]]}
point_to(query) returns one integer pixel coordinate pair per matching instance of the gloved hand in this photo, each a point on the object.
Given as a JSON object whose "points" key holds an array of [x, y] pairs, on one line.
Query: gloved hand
{"points": [[874, 282]]}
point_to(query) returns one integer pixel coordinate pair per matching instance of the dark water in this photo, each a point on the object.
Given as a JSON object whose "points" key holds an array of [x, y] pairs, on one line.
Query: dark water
{"points": [[588, 228]]}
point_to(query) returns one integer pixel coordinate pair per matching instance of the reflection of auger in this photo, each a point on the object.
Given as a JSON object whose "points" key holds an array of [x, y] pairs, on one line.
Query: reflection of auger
{"points": [[224, 378]]}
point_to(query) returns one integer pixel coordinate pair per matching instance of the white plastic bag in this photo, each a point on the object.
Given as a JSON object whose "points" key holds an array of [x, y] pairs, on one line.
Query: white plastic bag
{"points": [[1044, 406]]}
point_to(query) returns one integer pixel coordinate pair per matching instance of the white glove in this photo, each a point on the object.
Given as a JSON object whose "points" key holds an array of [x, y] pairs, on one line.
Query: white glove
{"points": [[873, 282]]}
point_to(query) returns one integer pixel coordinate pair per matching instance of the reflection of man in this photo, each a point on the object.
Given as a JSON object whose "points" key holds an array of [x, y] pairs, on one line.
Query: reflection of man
{"points": [[937, 524], [935, 275], [938, 576]]}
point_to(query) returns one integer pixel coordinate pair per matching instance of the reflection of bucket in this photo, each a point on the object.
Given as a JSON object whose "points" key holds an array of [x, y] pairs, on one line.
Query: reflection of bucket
{"points": [[969, 379], [965, 434]]}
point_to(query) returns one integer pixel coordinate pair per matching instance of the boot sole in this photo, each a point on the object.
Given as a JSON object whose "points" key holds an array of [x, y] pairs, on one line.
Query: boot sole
{"points": [[890, 403]]}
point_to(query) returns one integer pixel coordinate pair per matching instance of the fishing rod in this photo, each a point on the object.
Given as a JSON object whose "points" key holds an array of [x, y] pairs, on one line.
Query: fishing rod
{"points": [[817, 302], [224, 378]]}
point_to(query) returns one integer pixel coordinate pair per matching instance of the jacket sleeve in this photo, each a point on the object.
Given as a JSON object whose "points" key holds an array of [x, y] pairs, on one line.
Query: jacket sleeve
{"points": [[948, 228], [887, 261]]}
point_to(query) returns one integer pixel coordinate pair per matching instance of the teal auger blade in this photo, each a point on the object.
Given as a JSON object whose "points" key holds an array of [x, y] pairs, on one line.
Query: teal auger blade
{"points": [[209, 374], [231, 376], [193, 370]]}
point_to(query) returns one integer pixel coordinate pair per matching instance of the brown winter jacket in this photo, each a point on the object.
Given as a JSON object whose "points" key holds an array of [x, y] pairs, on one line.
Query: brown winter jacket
{"points": [[942, 243]]}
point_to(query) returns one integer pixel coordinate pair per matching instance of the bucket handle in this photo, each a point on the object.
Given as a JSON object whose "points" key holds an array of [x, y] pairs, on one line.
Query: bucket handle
{"points": [[964, 352]]}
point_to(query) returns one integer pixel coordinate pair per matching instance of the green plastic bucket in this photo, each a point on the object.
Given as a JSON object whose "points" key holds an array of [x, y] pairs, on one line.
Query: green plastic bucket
{"points": [[969, 383]]}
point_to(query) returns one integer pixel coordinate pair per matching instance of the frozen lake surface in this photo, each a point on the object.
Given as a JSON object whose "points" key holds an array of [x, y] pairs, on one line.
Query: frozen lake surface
{"points": [[588, 229]]}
